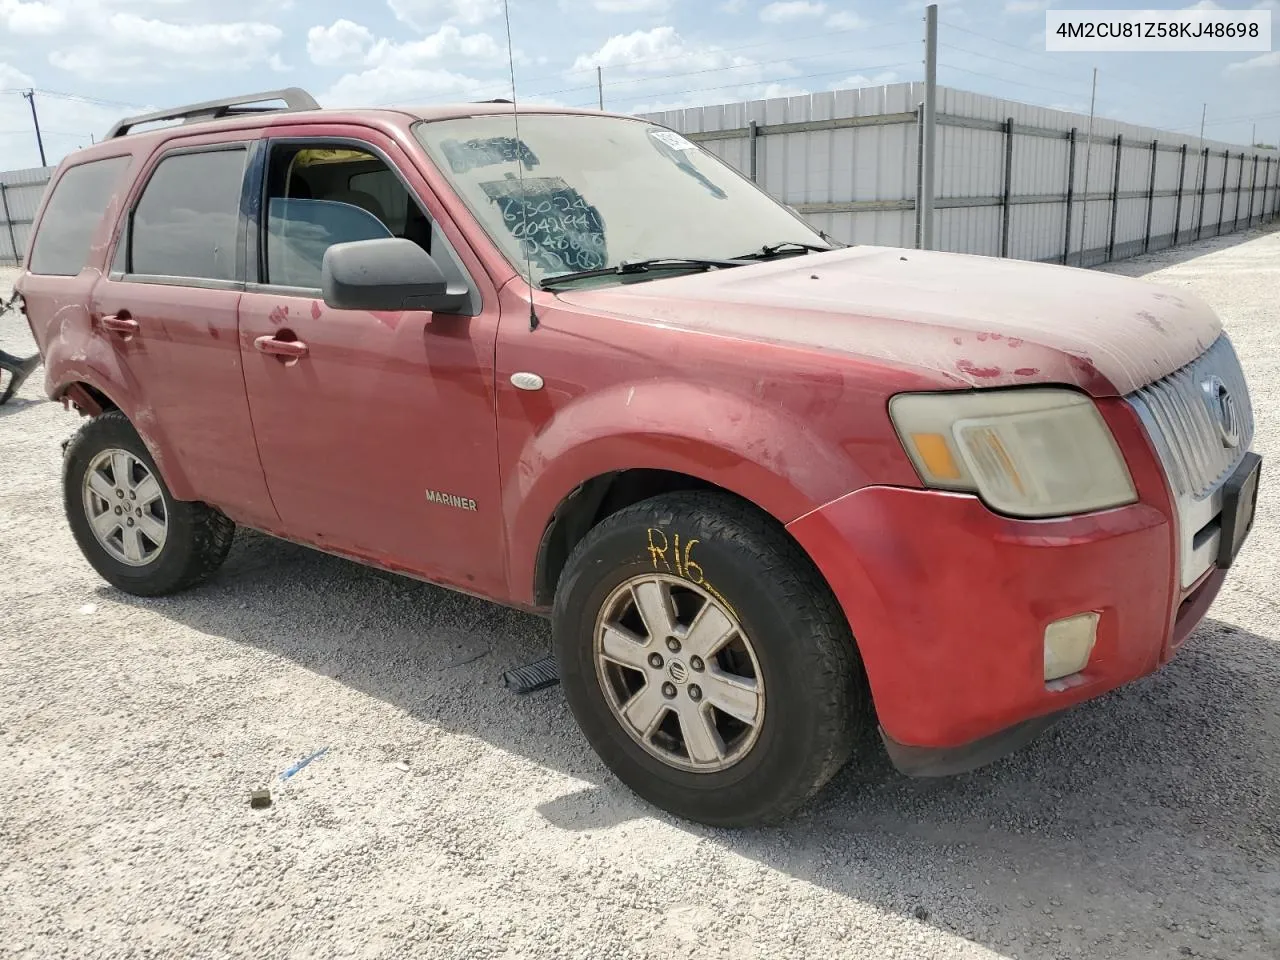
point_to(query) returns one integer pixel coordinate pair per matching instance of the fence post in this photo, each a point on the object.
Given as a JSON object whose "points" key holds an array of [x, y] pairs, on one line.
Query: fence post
{"points": [[1177, 210], [1151, 195], [1115, 197], [1008, 185], [753, 140], [1235, 220], [1071, 189], [1222, 194], [919, 174], [1204, 183], [1253, 191], [8, 220]]}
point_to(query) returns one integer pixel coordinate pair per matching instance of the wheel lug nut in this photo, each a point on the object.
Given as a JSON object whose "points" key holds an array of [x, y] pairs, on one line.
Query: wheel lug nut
{"points": [[119, 492], [655, 661], [133, 495], [673, 644], [669, 690], [129, 521], [118, 511], [696, 663], [695, 692]]}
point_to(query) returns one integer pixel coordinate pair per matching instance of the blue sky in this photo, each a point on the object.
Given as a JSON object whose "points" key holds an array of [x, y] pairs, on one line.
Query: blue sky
{"points": [[92, 61]]}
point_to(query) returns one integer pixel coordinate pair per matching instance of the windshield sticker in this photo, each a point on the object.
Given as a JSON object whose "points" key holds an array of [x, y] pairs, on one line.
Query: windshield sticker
{"points": [[557, 228], [673, 140], [680, 157], [468, 155]]}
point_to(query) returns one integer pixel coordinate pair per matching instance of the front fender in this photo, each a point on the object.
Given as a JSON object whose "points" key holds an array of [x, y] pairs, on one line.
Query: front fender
{"points": [[761, 452]]}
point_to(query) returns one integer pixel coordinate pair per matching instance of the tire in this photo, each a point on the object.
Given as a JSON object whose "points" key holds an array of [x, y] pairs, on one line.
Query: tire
{"points": [[800, 666], [195, 537]]}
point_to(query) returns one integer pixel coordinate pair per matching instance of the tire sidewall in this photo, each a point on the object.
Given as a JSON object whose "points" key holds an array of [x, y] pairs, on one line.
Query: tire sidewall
{"points": [[725, 562], [114, 431]]}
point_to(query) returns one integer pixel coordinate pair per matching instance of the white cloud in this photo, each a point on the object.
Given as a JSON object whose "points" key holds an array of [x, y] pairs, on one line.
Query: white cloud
{"points": [[845, 20], [785, 11], [632, 6], [31, 19], [862, 80], [1025, 6], [660, 50], [446, 42], [340, 44], [1263, 61], [428, 15], [733, 6], [1204, 5], [385, 84], [129, 42]]}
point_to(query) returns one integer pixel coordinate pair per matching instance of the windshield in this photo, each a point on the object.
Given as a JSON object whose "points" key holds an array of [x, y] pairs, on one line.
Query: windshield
{"points": [[598, 191]]}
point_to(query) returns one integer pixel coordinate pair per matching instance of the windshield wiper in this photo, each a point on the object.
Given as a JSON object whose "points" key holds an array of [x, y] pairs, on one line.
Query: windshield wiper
{"points": [[785, 248], [628, 267]]}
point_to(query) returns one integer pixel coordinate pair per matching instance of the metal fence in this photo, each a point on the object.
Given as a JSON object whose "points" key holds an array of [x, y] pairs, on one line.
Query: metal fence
{"points": [[20, 193], [1010, 180]]}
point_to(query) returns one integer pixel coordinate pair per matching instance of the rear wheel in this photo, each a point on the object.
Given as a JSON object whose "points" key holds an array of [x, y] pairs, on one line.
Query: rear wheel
{"points": [[127, 524], [706, 660]]}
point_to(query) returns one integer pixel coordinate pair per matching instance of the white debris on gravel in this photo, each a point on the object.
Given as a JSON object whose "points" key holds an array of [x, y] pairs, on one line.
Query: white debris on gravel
{"points": [[452, 819]]}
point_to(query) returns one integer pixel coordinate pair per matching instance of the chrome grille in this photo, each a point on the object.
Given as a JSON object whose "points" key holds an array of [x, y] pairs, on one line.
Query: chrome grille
{"points": [[1186, 427]]}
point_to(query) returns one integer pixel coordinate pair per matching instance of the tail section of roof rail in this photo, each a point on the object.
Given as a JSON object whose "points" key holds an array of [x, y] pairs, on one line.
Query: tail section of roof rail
{"points": [[294, 99]]}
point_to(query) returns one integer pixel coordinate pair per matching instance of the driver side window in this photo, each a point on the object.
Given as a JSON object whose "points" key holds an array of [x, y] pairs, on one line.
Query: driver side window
{"points": [[319, 194]]}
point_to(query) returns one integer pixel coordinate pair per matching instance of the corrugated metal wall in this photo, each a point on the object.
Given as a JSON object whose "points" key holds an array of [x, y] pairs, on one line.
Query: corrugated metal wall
{"points": [[849, 159], [20, 193]]}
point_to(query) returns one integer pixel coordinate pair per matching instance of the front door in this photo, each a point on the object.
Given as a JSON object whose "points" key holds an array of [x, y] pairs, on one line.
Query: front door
{"points": [[376, 431], [168, 308]]}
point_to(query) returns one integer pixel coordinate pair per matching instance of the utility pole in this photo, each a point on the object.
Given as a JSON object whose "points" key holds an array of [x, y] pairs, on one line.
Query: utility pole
{"points": [[31, 99], [600, 84], [929, 128], [1088, 155]]}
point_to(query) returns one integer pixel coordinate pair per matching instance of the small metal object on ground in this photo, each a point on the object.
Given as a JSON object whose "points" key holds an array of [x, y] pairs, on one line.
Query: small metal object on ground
{"points": [[259, 799], [532, 676]]}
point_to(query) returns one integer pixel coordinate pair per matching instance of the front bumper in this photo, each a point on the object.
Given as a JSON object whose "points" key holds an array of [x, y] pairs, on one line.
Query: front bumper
{"points": [[949, 603]]}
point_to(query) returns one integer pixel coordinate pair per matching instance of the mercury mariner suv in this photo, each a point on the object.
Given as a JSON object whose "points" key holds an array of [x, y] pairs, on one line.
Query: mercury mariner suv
{"points": [[768, 487]]}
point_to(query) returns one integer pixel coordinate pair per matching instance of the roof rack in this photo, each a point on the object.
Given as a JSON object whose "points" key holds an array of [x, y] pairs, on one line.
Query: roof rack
{"points": [[294, 98]]}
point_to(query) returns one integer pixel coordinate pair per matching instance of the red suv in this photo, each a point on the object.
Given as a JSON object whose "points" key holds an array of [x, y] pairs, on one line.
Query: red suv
{"points": [[766, 485]]}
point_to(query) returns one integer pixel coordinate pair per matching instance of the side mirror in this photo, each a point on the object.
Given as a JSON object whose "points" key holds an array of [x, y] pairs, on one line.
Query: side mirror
{"points": [[386, 274]]}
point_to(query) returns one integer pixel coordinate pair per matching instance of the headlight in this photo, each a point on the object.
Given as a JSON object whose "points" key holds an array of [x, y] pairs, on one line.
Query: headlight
{"points": [[1029, 453]]}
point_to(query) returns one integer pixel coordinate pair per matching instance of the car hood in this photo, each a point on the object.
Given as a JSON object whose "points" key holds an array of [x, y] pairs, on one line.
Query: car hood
{"points": [[966, 321]]}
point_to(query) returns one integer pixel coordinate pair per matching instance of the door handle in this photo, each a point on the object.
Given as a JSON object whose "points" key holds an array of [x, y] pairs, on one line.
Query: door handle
{"points": [[120, 323], [289, 349]]}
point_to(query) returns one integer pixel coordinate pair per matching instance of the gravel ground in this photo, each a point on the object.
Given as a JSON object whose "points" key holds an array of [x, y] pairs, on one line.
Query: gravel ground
{"points": [[452, 819]]}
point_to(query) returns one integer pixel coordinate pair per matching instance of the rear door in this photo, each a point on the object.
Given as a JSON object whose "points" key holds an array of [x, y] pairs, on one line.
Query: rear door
{"points": [[376, 430], [169, 307]]}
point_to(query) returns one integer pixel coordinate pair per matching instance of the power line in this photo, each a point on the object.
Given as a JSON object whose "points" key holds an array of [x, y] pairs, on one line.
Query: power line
{"points": [[79, 98], [1012, 63], [1016, 83], [1110, 77]]}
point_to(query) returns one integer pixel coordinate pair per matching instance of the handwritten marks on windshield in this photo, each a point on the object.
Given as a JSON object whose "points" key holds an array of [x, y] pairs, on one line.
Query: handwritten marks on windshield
{"points": [[557, 228], [469, 154]]}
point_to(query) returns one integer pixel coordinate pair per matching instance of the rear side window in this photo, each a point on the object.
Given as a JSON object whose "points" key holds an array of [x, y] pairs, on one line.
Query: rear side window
{"points": [[186, 223], [79, 200]]}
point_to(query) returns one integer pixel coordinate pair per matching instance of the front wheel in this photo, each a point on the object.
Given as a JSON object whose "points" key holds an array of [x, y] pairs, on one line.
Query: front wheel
{"points": [[706, 660], [127, 524]]}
